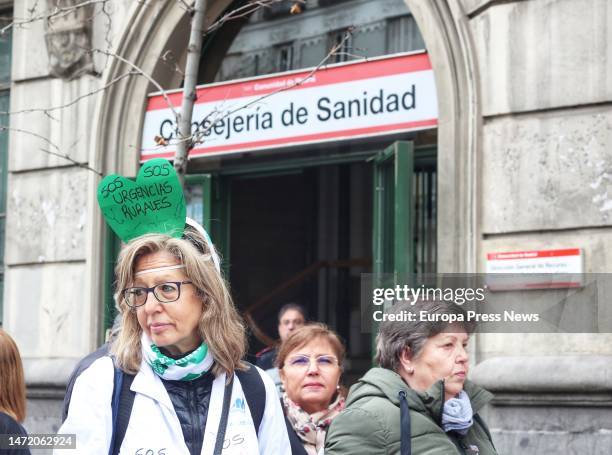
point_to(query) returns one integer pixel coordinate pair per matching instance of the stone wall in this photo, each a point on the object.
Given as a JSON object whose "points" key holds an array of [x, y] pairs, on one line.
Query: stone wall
{"points": [[546, 135], [48, 304]]}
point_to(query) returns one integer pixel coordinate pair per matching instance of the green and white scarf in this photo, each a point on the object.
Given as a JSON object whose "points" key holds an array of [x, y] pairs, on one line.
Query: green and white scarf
{"points": [[187, 368]]}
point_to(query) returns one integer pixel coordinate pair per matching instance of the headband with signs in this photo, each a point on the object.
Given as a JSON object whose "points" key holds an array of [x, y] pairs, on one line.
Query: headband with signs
{"points": [[154, 203]]}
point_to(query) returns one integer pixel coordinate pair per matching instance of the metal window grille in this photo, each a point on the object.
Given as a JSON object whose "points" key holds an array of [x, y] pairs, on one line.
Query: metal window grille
{"points": [[344, 44], [425, 198], [285, 57], [403, 35]]}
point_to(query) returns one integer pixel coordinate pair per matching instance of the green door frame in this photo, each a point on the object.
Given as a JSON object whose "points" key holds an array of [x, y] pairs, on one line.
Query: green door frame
{"points": [[393, 211], [215, 211]]}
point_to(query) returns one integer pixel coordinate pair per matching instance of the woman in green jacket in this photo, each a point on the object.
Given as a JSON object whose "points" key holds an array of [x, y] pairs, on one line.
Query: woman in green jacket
{"points": [[418, 402]]}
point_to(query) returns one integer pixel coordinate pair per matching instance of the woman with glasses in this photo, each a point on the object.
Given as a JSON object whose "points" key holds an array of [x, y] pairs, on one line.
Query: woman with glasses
{"points": [[310, 365], [181, 343]]}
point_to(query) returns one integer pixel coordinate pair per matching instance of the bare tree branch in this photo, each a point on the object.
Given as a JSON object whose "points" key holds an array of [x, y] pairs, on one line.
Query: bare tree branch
{"points": [[186, 139], [219, 115], [197, 138], [33, 8], [246, 10], [67, 157], [57, 153], [185, 6], [58, 11], [194, 50], [75, 100], [170, 60], [142, 73], [31, 133]]}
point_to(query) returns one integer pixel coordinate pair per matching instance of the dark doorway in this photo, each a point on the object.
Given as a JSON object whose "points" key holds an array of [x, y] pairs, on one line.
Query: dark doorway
{"points": [[306, 235], [272, 239]]}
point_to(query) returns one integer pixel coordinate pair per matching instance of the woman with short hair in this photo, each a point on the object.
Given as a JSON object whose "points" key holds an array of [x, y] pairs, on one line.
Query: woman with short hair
{"points": [[12, 392], [310, 365], [418, 401], [181, 342]]}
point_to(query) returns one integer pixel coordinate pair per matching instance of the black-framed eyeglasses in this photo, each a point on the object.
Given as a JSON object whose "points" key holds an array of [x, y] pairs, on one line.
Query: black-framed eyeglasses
{"points": [[167, 292]]}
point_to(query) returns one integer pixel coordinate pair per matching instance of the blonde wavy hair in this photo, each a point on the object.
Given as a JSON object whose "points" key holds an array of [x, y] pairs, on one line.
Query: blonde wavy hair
{"points": [[12, 382], [220, 326]]}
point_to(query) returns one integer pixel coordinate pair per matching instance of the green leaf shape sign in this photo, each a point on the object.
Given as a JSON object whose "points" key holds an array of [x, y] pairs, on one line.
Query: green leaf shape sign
{"points": [[154, 203]]}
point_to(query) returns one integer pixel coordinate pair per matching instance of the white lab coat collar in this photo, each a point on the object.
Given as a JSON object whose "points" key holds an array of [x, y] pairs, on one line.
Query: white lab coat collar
{"points": [[149, 384]]}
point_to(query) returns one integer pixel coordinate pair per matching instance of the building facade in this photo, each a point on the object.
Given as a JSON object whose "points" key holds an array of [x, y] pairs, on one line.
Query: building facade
{"points": [[519, 161]]}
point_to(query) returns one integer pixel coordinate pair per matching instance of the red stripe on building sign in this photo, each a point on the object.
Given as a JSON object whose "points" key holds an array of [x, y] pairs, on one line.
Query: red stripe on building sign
{"points": [[307, 79], [533, 254]]}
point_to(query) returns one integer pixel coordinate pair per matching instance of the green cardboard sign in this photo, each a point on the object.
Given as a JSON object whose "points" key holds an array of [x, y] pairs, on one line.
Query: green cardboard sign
{"points": [[154, 203]]}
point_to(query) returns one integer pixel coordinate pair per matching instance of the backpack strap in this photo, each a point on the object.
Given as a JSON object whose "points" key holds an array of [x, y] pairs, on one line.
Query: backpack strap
{"points": [[117, 384], [227, 398], [122, 403], [254, 392], [405, 430]]}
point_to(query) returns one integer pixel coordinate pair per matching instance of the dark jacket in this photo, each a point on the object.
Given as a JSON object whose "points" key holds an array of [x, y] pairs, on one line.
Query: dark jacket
{"points": [[190, 400], [370, 424], [8, 425], [266, 358]]}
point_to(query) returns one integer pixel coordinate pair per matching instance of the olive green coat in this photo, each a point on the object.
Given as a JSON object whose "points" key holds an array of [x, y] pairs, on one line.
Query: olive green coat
{"points": [[370, 424]]}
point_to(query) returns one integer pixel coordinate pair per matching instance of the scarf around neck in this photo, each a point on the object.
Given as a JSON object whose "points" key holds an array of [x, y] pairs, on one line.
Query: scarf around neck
{"points": [[457, 414], [311, 428], [186, 368]]}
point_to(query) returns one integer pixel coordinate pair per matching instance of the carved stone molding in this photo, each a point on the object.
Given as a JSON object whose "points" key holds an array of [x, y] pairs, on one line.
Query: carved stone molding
{"points": [[68, 38]]}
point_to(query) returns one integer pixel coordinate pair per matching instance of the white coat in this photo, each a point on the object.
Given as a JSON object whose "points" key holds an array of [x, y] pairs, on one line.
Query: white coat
{"points": [[154, 427]]}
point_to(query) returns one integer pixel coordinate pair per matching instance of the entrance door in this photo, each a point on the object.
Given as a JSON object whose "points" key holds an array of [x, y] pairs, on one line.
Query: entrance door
{"points": [[299, 231], [306, 230]]}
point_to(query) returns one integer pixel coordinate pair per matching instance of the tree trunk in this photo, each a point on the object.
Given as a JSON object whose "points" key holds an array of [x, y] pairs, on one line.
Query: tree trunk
{"points": [[189, 89]]}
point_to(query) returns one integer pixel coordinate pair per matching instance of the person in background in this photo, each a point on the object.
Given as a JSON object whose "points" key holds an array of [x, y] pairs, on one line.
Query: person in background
{"points": [[419, 401], [310, 364], [291, 316], [12, 392]]}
